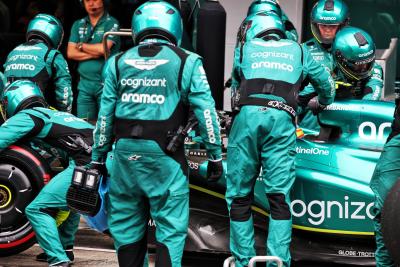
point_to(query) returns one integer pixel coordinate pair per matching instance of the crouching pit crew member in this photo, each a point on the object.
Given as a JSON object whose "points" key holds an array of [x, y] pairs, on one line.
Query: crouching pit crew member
{"points": [[28, 118], [356, 74]]}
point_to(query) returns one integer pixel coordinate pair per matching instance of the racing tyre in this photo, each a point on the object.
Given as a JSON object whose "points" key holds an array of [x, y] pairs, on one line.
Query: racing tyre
{"points": [[23, 173], [390, 222]]}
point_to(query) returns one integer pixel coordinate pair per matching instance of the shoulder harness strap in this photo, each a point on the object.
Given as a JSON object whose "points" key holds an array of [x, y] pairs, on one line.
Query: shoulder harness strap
{"points": [[183, 56], [39, 124], [117, 57]]}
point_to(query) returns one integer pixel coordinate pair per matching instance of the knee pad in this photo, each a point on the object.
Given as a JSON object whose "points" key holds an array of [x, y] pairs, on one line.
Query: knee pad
{"points": [[50, 211], [163, 257], [278, 207], [58, 215], [241, 209], [133, 255]]}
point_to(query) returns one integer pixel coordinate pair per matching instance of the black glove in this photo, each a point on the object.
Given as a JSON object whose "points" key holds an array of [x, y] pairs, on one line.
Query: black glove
{"points": [[302, 100], [214, 170], [315, 106], [99, 166]]}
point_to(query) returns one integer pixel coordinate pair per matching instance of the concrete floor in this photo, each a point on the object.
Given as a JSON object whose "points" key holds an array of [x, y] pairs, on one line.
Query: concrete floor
{"points": [[83, 257], [95, 249], [91, 249]]}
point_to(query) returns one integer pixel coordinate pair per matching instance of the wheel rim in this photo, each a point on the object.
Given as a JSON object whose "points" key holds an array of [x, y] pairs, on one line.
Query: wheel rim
{"points": [[15, 194], [5, 196]]}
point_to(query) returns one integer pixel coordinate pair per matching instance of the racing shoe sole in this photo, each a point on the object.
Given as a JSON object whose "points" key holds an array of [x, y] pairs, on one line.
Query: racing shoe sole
{"points": [[42, 257]]}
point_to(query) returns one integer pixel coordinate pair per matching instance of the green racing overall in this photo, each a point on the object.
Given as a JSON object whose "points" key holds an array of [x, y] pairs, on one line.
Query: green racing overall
{"points": [[366, 89], [46, 67], [321, 54], [71, 135], [147, 92], [386, 174], [266, 81]]}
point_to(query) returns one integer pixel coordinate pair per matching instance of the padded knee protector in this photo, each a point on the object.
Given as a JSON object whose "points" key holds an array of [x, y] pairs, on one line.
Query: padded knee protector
{"points": [[50, 211], [278, 207], [163, 259], [241, 209], [132, 255]]}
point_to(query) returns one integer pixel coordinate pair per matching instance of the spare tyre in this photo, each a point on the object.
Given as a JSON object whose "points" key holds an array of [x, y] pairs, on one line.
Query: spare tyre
{"points": [[390, 222], [23, 173]]}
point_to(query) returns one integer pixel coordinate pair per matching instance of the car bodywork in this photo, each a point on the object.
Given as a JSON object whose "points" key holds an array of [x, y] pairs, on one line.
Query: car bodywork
{"points": [[331, 199]]}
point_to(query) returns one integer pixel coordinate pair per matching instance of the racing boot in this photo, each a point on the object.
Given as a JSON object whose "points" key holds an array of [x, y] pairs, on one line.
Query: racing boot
{"points": [[43, 257]]}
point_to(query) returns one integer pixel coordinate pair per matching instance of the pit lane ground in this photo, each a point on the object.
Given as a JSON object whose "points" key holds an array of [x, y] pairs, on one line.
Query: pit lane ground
{"points": [[94, 249]]}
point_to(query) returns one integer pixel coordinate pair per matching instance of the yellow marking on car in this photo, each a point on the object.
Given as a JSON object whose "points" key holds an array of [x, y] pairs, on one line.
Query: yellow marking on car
{"points": [[331, 231], [304, 228]]}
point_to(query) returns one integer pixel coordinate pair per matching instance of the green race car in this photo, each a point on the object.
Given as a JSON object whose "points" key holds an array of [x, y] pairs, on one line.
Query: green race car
{"points": [[331, 198]]}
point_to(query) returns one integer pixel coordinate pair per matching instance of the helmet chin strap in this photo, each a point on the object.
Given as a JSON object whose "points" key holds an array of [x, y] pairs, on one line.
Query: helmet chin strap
{"points": [[41, 38], [326, 46], [348, 74], [156, 35], [271, 36]]}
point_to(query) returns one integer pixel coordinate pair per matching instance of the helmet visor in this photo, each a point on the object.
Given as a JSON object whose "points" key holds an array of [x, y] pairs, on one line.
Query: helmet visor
{"points": [[324, 33], [361, 69], [357, 70]]}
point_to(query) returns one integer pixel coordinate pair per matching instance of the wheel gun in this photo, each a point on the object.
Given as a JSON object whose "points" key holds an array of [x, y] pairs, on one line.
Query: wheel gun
{"points": [[179, 137]]}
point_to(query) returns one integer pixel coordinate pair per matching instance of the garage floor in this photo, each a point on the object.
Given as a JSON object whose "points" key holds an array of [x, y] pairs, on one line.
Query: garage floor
{"points": [[94, 249]]}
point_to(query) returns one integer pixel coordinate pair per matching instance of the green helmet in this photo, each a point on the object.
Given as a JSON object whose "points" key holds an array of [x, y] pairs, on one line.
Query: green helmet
{"points": [[354, 53], [264, 5], [328, 12], [20, 95], [157, 19], [47, 28], [260, 25]]}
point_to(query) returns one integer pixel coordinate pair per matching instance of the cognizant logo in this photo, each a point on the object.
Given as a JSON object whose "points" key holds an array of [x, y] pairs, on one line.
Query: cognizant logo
{"points": [[135, 83], [143, 98], [19, 66], [272, 65], [317, 211], [26, 57], [209, 125]]}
